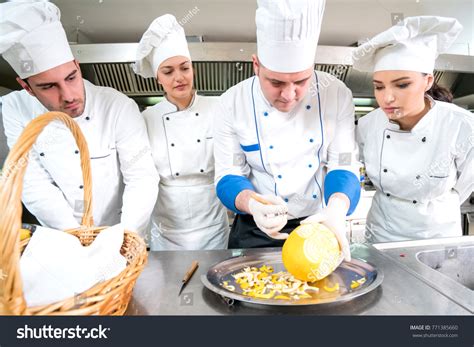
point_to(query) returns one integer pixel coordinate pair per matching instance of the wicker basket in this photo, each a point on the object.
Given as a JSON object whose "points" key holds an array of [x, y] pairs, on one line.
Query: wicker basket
{"points": [[110, 297]]}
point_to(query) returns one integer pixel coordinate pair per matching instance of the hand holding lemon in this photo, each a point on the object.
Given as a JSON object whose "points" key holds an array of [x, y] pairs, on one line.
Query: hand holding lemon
{"points": [[311, 252], [317, 247], [334, 217]]}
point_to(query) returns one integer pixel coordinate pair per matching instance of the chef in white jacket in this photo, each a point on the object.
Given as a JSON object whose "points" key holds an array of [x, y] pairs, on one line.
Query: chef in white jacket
{"points": [[124, 183], [418, 151], [188, 214], [287, 134]]}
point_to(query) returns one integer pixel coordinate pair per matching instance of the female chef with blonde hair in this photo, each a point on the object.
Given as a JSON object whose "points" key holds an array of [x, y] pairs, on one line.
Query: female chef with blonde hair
{"points": [[418, 151], [187, 214]]}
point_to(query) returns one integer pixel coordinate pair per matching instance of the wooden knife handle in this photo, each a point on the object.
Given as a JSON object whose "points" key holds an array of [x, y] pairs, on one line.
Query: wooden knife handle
{"points": [[260, 199], [191, 270]]}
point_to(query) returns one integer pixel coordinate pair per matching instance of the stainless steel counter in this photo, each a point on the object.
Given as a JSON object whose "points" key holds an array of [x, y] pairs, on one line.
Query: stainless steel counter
{"points": [[446, 264], [401, 293]]}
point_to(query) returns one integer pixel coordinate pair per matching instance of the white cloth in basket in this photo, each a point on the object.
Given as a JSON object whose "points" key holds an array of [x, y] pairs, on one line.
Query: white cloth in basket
{"points": [[55, 266]]}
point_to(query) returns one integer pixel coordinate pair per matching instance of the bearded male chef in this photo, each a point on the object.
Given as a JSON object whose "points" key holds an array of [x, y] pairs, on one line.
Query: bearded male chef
{"points": [[124, 179], [287, 134]]}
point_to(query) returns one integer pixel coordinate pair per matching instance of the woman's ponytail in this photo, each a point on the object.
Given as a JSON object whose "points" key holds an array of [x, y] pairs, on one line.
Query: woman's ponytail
{"points": [[440, 93]]}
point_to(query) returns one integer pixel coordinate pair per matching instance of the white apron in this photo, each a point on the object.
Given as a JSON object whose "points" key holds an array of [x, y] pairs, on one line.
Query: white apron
{"points": [[187, 214]]}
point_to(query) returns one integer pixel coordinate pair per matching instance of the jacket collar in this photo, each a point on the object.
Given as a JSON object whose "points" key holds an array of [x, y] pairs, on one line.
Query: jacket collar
{"points": [[423, 124], [260, 94], [89, 102], [170, 107], [266, 104]]}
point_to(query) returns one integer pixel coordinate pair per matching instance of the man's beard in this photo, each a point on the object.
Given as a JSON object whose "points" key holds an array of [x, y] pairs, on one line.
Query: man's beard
{"points": [[79, 110], [74, 112]]}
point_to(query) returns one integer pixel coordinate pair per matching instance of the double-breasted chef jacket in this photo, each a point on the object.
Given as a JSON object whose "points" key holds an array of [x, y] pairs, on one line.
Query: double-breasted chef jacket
{"points": [[188, 214], [302, 156], [124, 178], [421, 176]]}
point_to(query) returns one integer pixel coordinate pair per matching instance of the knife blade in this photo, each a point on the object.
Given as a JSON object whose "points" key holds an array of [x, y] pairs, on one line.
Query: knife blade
{"points": [[188, 276]]}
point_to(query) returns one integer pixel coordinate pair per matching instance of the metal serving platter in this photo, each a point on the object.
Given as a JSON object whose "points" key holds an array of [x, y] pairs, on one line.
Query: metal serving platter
{"points": [[344, 275]]}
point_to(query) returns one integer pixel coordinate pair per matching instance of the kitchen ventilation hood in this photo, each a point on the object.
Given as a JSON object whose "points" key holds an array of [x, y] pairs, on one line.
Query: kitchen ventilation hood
{"points": [[220, 65]]}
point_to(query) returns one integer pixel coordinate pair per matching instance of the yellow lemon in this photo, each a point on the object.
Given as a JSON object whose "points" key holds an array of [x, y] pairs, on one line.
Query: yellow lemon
{"points": [[311, 252]]}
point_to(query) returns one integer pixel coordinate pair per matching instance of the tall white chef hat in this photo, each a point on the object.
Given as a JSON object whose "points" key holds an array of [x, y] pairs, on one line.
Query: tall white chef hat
{"points": [[412, 45], [288, 33], [164, 39], [32, 39]]}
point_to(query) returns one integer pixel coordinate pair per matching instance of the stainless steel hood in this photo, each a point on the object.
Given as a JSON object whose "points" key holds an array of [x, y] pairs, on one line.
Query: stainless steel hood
{"points": [[219, 66]]}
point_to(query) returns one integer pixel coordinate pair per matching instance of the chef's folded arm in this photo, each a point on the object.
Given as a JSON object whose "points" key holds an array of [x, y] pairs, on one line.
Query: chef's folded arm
{"points": [[40, 195], [138, 170], [44, 199]]}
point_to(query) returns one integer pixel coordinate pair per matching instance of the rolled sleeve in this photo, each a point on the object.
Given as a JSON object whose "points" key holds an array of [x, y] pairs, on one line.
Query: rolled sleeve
{"points": [[343, 181], [229, 187]]}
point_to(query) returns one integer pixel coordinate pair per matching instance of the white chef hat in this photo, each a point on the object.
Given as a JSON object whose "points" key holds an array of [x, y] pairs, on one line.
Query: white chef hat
{"points": [[164, 39], [288, 33], [32, 39], [412, 45]]}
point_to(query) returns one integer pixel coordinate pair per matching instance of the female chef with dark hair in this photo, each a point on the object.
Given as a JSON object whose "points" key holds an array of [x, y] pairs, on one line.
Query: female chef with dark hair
{"points": [[418, 151], [187, 214]]}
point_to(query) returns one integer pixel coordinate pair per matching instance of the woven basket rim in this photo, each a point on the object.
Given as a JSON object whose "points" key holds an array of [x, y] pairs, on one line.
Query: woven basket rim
{"points": [[115, 293]]}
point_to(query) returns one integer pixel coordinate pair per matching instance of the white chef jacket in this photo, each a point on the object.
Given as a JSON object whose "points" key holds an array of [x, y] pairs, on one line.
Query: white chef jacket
{"points": [[421, 176], [187, 214], [288, 154], [124, 179]]}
